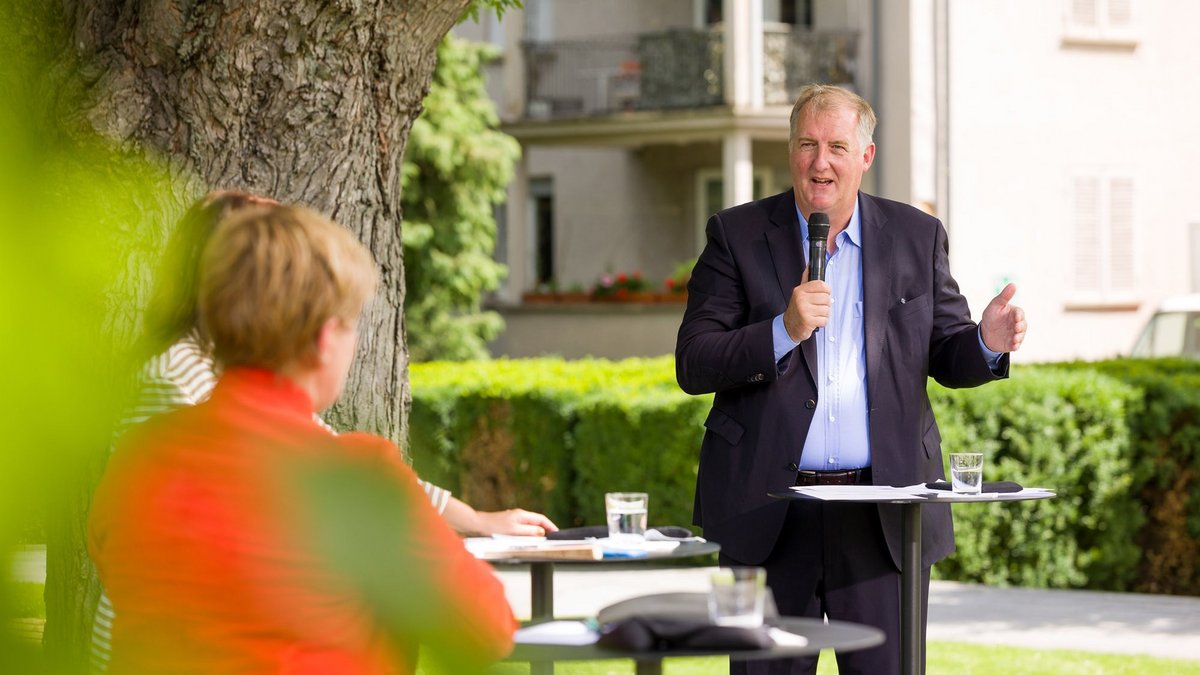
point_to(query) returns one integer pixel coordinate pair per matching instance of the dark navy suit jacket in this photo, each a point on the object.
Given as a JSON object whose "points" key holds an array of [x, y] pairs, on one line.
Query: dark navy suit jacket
{"points": [[917, 325]]}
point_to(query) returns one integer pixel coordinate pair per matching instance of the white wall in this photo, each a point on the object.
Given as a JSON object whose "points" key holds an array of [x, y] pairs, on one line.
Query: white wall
{"points": [[599, 330], [1026, 112]]}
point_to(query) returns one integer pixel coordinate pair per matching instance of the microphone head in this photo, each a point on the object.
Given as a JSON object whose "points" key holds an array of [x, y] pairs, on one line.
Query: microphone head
{"points": [[818, 226]]}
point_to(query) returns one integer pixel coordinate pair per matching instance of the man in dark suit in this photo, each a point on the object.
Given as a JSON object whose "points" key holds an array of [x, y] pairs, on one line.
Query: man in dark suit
{"points": [[849, 405]]}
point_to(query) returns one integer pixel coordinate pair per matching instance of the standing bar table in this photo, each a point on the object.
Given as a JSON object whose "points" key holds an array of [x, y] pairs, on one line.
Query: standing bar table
{"points": [[910, 500]]}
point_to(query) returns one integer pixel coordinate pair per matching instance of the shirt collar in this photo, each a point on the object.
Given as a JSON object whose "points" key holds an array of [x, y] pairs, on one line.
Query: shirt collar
{"points": [[853, 231], [262, 385]]}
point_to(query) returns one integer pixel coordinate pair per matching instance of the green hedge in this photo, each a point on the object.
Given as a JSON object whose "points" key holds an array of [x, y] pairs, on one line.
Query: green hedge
{"points": [[1118, 441], [1045, 428], [554, 435], [647, 442], [1165, 468]]}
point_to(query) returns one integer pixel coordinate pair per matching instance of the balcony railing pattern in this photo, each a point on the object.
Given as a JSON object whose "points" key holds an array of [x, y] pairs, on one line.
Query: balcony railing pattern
{"points": [[674, 69], [799, 57]]}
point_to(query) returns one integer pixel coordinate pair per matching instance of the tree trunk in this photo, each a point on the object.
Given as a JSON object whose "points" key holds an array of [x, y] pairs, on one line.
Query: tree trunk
{"points": [[306, 101]]}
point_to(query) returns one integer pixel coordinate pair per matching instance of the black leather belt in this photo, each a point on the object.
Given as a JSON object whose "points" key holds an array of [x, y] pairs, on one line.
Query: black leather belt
{"points": [[847, 477]]}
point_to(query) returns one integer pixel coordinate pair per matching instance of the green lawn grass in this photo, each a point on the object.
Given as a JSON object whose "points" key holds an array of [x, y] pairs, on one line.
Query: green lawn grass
{"points": [[954, 658], [941, 657]]}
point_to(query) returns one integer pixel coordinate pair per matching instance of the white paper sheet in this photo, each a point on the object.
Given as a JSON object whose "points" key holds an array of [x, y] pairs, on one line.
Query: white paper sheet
{"points": [[872, 493], [786, 639], [851, 493], [557, 633]]}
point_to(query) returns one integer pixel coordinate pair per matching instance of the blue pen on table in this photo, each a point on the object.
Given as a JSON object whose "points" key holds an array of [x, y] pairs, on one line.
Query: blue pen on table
{"points": [[619, 554]]}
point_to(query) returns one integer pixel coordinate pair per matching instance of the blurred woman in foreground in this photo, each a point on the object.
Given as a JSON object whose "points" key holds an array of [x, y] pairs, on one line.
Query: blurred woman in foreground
{"points": [[218, 542], [180, 372]]}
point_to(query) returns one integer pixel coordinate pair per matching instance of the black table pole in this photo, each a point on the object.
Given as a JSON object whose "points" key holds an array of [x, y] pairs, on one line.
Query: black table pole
{"points": [[654, 667], [912, 651], [541, 590]]}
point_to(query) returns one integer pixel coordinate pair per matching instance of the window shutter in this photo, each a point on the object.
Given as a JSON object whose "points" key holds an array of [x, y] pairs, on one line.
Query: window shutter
{"points": [[1083, 13], [1120, 14], [1120, 220]]}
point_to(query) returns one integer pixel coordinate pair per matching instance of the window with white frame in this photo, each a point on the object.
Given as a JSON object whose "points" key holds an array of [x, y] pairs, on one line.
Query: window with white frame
{"points": [[541, 230], [710, 196], [1099, 22], [1102, 244]]}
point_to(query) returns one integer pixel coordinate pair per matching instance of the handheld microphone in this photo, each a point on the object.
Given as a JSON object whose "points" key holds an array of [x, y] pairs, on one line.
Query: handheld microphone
{"points": [[818, 236]]}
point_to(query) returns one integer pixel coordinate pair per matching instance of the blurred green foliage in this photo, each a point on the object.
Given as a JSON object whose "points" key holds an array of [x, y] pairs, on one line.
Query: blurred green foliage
{"points": [[1117, 440], [73, 240], [457, 167]]}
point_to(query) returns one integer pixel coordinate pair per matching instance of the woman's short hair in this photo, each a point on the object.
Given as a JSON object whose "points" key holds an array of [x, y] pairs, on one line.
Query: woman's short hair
{"points": [[271, 277]]}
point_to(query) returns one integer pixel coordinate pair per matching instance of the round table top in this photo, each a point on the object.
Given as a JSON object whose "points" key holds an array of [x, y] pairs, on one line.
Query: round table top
{"points": [[885, 495], [839, 635]]}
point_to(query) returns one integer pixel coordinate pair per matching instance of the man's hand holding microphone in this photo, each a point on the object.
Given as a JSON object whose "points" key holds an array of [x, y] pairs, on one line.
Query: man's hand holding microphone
{"points": [[810, 303]]}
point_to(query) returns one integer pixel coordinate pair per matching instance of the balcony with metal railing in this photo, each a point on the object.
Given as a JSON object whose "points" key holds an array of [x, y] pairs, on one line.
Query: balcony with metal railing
{"points": [[674, 69]]}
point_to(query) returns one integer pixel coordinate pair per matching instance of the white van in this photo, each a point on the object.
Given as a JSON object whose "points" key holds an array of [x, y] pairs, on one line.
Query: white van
{"points": [[1174, 330]]}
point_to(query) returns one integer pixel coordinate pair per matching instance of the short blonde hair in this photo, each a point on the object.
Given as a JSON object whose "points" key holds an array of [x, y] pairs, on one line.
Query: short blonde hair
{"points": [[271, 276], [821, 97]]}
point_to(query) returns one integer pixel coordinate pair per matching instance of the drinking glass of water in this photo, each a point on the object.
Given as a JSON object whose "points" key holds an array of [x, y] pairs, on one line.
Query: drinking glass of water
{"points": [[627, 513], [736, 596], [966, 472]]}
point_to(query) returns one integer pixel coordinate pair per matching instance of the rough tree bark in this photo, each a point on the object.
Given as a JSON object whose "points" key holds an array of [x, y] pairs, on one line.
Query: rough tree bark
{"points": [[308, 101]]}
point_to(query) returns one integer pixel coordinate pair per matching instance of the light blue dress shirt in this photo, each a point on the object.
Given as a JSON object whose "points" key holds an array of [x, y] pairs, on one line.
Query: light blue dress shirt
{"points": [[838, 438]]}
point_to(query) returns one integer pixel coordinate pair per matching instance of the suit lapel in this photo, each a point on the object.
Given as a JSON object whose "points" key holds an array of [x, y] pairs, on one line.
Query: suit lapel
{"points": [[786, 246], [877, 271], [784, 242]]}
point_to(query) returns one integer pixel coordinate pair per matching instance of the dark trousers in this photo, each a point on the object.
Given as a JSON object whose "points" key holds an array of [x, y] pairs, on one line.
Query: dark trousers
{"points": [[831, 561]]}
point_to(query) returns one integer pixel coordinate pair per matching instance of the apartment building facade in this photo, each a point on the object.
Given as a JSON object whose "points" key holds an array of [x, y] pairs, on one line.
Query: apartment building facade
{"points": [[1050, 137]]}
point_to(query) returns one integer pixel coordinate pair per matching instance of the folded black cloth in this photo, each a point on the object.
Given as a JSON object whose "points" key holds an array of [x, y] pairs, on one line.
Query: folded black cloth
{"points": [[652, 634], [590, 532], [988, 486], [601, 531]]}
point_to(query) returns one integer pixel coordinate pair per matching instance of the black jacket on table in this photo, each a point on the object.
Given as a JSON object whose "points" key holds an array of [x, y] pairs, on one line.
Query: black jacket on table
{"points": [[917, 325]]}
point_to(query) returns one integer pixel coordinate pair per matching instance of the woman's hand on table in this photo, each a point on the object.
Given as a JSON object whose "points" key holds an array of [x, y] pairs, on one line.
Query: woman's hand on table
{"points": [[467, 521], [515, 522]]}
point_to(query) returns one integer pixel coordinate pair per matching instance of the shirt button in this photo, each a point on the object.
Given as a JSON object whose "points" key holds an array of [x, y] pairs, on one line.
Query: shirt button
{"points": [[832, 418], [832, 339], [810, 404], [832, 460]]}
